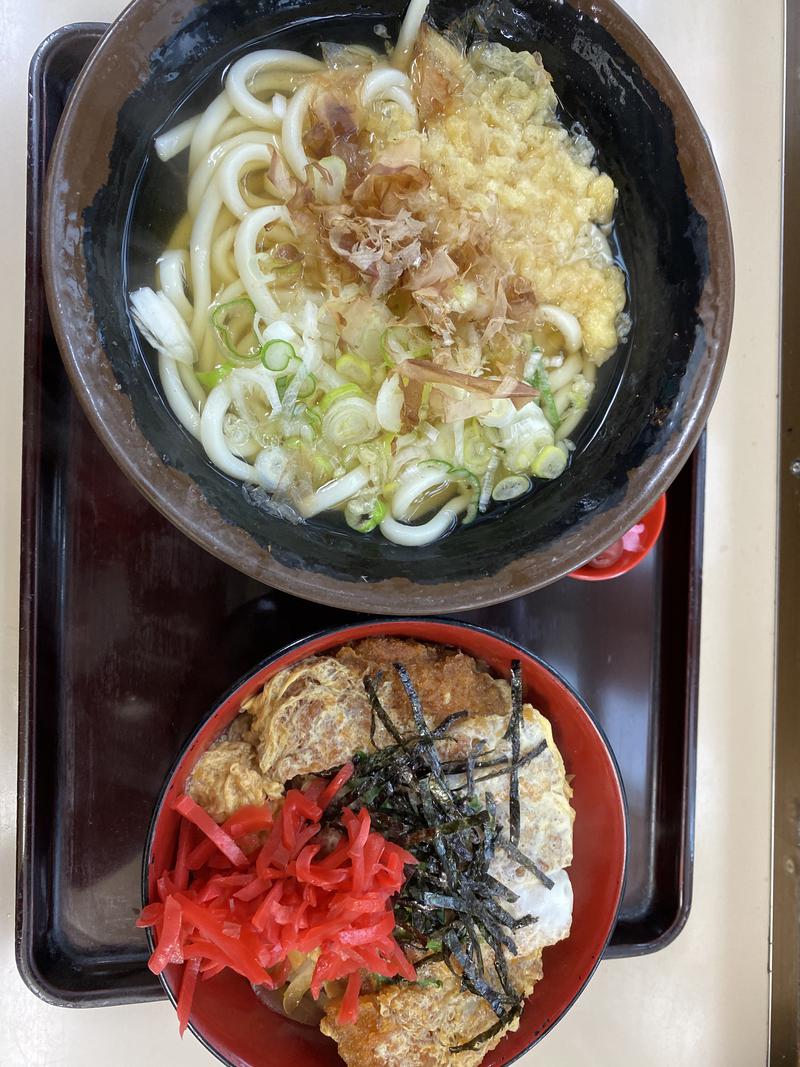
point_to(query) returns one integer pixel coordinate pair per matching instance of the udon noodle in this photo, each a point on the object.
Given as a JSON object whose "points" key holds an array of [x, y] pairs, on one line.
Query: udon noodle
{"points": [[392, 285]]}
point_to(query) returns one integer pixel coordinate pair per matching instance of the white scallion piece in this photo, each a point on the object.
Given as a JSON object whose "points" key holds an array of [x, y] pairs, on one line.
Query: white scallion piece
{"points": [[162, 325], [515, 485]]}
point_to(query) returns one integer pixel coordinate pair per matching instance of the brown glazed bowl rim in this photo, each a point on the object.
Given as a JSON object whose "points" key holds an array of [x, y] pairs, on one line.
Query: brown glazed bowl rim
{"points": [[176, 497]]}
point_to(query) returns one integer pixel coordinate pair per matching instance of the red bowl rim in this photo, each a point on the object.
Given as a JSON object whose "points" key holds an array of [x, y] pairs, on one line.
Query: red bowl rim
{"points": [[587, 573], [377, 624]]}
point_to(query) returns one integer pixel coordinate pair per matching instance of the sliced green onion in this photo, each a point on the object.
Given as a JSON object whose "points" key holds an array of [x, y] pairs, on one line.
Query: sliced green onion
{"points": [[533, 362], [329, 187], [478, 452], [313, 419], [540, 380], [351, 389], [399, 343], [355, 369], [276, 355], [473, 487], [350, 420], [272, 266], [510, 488], [322, 469], [550, 462], [364, 519], [209, 378], [307, 388], [233, 324]]}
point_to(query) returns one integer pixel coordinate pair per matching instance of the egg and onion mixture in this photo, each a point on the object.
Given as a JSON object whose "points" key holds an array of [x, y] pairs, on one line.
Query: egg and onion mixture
{"points": [[315, 716]]}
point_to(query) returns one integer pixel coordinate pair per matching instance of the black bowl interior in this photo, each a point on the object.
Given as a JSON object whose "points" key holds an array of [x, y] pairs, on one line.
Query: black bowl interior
{"points": [[645, 393]]}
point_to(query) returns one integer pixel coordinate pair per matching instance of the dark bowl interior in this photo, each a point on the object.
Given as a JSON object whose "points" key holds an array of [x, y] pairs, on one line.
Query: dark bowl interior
{"points": [[110, 209], [226, 1015]]}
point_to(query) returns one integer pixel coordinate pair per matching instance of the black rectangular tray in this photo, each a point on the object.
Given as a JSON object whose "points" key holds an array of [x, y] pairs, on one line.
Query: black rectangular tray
{"points": [[130, 632]]}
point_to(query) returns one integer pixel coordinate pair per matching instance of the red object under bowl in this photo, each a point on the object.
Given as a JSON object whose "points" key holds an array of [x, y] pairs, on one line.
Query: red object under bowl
{"points": [[236, 1027], [653, 525]]}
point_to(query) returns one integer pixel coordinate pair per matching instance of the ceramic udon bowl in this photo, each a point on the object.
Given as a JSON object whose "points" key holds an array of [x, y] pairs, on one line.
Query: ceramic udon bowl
{"points": [[109, 211], [226, 1015]]}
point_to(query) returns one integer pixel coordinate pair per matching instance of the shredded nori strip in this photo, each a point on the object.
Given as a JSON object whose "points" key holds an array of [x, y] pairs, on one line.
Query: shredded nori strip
{"points": [[477, 818], [470, 773], [501, 890], [379, 710], [487, 1035], [445, 724], [459, 766], [524, 861], [512, 735], [450, 908]]}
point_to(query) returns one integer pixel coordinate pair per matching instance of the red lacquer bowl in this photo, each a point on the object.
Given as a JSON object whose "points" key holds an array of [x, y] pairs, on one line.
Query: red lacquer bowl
{"points": [[241, 1031], [653, 523]]}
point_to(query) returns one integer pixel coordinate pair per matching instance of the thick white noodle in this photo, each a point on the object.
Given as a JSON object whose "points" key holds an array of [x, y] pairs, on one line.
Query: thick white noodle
{"points": [[212, 435], [205, 171], [245, 158], [426, 532], [334, 493], [562, 398], [195, 390], [415, 481], [235, 125], [378, 81], [245, 251], [230, 292], [177, 397], [564, 322], [404, 99], [221, 251], [407, 37], [259, 377], [170, 143], [239, 77], [292, 130], [563, 375], [249, 449], [200, 258], [274, 80], [209, 352], [386, 83], [569, 424], [172, 275], [270, 463], [207, 129]]}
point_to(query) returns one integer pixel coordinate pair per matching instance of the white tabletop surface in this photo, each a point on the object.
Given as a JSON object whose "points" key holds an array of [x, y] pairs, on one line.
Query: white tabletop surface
{"points": [[704, 1000]]}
